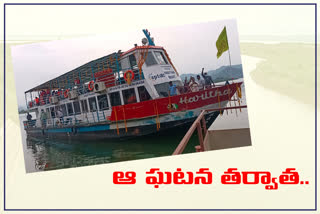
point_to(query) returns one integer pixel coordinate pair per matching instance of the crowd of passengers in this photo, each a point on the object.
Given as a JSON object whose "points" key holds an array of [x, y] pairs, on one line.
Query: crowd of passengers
{"points": [[45, 95], [193, 84]]}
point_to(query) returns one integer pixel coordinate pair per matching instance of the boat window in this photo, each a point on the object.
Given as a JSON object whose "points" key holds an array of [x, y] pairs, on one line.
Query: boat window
{"points": [[143, 94], [56, 108], [103, 102], [92, 104], [163, 88], [132, 60], [84, 106], [76, 106], [115, 99], [53, 115], [161, 59], [150, 59], [129, 96], [63, 109], [125, 63], [69, 109]]}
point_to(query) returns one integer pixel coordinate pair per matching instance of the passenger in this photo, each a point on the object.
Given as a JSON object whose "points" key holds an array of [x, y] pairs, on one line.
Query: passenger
{"points": [[200, 82], [207, 78], [186, 88], [60, 115], [43, 118], [37, 100], [172, 89], [42, 97], [58, 94], [29, 116], [193, 85], [132, 99]]}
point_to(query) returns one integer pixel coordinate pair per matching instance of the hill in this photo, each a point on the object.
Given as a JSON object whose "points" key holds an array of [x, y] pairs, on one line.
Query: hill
{"points": [[223, 73]]}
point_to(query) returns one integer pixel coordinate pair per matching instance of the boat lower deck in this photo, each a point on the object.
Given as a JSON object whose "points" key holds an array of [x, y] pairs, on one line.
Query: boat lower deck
{"points": [[104, 131]]}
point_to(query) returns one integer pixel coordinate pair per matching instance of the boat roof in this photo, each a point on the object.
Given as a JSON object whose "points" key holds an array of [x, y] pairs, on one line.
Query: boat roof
{"points": [[84, 73], [141, 47]]}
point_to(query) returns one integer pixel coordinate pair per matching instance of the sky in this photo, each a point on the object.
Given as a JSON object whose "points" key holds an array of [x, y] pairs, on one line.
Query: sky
{"points": [[190, 47], [93, 31]]}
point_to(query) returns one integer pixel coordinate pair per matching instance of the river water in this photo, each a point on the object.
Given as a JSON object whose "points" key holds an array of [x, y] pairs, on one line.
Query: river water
{"points": [[43, 155]]}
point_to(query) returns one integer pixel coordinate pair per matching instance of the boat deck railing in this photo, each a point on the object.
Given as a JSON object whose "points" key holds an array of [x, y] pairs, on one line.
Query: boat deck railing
{"points": [[79, 89], [84, 119], [200, 125]]}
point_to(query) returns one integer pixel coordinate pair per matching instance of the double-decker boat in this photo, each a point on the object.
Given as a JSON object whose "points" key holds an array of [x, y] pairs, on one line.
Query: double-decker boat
{"points": [[123, 94]]}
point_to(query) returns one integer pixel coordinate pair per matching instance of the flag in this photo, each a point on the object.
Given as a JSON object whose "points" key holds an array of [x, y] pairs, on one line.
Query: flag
{"points": [[222, 42]]}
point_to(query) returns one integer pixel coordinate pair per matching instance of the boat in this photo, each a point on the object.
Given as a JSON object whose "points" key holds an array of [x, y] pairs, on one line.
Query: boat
{"points": [[121, 95]]}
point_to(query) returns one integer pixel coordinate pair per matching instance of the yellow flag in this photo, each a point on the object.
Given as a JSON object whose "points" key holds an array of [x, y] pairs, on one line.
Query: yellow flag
{"points": [[222, 42]]}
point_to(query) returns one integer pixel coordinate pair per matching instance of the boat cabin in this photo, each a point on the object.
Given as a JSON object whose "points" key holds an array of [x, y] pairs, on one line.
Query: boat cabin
{"points": [[87, 94]]}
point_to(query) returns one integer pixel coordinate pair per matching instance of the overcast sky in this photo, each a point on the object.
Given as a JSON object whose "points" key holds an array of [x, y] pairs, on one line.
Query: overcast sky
{"points": [[190, 47]]}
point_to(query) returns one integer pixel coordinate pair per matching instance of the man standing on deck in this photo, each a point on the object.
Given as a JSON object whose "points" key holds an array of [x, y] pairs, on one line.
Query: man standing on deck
{"points": [[43, 118], [172, 89], [29, 116], [60, 115], [208, 79], [200, 82]]}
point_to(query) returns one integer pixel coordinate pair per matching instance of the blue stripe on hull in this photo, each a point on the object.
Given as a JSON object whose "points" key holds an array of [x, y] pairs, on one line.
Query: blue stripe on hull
{"points": [[59, 130], [94, 128], [103, 131], [75, 129]]}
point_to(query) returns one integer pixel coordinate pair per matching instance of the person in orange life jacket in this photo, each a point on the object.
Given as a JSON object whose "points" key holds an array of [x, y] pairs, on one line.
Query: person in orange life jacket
{"points": [[132, 99], [37, 100]]}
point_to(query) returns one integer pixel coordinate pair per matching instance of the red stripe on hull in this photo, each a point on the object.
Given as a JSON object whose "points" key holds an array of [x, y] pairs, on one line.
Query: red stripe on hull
{"points": [[182, 102]]}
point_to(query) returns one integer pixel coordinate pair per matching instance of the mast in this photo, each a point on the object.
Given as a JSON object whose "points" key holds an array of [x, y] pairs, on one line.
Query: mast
{"points": [[228, 48], [229, 58]]}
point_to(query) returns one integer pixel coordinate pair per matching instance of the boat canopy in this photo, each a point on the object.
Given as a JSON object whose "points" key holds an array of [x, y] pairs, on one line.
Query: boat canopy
{"points": [[82, 74]]}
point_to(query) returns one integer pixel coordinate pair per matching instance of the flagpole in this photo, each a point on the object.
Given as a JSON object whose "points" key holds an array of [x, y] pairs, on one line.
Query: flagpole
{"points": [[228, 48], [230, 66], [229, 57], [228, 51]]}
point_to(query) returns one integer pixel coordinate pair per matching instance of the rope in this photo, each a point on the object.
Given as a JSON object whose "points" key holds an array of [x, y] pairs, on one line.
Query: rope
{"points": [[169, 101], [115, 114], [155, 108], [235, 104], [174, 68], [158, 115], [124, 118], [219, 101], [229, 99], [239, 95], [142, 58], [239, 91]]}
